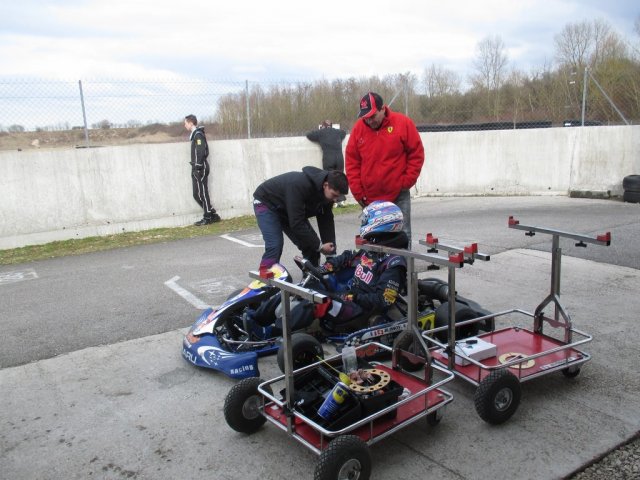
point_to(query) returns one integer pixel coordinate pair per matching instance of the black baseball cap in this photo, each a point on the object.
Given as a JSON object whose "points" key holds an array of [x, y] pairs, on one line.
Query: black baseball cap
{"points": [[370, 104]]}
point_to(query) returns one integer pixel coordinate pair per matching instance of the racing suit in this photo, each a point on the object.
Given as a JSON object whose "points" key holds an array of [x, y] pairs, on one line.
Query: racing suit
{"points": [[200, 171], [377, 281]]}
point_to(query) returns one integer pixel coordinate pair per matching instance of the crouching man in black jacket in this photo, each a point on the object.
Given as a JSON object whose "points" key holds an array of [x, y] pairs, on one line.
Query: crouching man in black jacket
{"points": [[284, 204]]}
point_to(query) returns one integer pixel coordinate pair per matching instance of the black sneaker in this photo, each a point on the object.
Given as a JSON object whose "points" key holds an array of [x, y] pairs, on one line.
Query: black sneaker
{"points": [[204, 221], [215, 218]]}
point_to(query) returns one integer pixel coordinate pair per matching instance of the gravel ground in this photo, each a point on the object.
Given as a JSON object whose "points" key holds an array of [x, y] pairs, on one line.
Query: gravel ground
{"points": [[623, 463]]}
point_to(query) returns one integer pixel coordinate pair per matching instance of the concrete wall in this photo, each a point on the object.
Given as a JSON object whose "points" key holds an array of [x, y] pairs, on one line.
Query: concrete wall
{"points": [[61, 194]]}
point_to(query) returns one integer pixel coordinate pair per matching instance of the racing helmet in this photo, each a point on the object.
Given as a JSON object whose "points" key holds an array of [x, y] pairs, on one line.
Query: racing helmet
{"points": [[380, 218]]}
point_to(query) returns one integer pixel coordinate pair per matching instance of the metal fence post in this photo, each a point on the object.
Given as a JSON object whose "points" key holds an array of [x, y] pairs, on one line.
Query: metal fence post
{"points": [[584, 94], [84, 115], [246, 92]]}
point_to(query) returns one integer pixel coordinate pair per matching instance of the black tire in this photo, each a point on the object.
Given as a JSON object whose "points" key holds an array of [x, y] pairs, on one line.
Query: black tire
{"points": [[406, 341], [346, 457], [242, 406], [497, 397], [571, 372], [305, 350], [463, 313], [433, 289], [631, 183], [631, 196]]}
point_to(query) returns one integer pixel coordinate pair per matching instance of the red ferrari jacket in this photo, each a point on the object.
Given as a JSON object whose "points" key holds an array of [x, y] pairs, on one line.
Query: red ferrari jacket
{"points": [[380, 163]]}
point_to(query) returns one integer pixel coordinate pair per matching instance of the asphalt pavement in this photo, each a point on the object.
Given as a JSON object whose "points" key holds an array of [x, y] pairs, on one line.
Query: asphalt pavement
{"points": [[92, 384]]}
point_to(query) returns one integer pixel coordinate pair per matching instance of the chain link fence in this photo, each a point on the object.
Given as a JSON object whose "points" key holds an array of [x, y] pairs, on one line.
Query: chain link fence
{"points": [[39, 113]]}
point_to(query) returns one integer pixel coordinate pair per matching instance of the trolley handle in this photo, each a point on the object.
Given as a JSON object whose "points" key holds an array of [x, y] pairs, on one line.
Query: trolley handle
{"points": [[455, 259], [582, 240], [304, 293], [469, 252]]}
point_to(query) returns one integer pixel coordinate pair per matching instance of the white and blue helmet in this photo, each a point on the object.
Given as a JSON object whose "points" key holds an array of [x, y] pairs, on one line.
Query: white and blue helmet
{"points": [[379, 217]]}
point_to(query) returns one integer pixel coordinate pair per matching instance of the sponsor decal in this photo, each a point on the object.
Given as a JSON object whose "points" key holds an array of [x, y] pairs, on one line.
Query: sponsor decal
{"points": [[427, 322], [213, 355], [189, 356], [366, 277], [389, 129], [390, 295], [198, 141], [190, 339], [242, 369]]}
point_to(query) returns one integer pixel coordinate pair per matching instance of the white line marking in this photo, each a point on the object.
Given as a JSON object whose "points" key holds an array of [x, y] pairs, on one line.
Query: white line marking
{"points": [[241, 242], [17, 276], [186, 294]]}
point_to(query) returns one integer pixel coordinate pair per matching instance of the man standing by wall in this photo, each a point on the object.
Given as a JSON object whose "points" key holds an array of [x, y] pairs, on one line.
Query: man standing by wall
{"points": [[384, 157], [283, 205], [200, 170], [330, 141]]}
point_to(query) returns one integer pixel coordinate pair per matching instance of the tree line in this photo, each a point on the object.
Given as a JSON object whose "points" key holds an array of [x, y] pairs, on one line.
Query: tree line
{"points": [[593, 66]]}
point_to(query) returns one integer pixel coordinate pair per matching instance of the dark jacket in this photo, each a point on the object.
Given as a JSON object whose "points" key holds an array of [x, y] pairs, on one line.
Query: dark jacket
{"points": [[378, 278], [297, 196], [199, 148], [330, 140]]}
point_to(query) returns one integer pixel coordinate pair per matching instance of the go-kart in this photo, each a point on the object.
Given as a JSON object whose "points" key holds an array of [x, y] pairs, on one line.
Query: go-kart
{"points": [[228, 339]]}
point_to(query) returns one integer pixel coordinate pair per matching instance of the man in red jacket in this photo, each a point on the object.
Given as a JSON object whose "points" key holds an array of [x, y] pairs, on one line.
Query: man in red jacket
{"points": [[384, 157]]}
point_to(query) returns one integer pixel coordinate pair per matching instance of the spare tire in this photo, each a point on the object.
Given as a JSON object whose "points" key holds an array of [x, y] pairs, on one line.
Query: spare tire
{"points": [[631, 183], [631, 196]]}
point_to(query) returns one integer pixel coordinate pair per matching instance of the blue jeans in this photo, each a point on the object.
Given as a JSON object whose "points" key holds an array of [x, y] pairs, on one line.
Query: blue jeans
{"points": [[273, 227]]}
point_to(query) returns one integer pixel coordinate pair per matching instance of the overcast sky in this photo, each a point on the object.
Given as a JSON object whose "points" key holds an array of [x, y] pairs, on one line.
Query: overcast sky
{"points": [[281, 40]]}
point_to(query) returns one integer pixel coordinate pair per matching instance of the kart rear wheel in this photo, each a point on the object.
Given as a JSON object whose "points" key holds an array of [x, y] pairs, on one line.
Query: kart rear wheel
{"points": [[497, 397], [305, 350], [406, 341], [243, 406], [346, 458], [462, 313]]}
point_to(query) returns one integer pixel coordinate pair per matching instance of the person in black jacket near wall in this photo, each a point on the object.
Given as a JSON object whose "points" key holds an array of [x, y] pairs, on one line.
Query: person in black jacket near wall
{"points": [[200, 170], [330, 141], [283, 205]]}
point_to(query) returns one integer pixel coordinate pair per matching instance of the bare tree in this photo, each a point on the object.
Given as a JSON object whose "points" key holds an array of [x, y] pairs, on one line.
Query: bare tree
{"points": [[588, 44], [490, 63], [439, 81]]}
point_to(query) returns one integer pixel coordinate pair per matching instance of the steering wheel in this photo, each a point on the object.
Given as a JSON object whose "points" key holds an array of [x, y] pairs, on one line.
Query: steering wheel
{"points": [[307, 267]]}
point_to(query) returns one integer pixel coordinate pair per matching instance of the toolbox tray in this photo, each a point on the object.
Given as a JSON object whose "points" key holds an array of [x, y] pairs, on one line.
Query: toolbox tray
{"points": [[312, 387]]}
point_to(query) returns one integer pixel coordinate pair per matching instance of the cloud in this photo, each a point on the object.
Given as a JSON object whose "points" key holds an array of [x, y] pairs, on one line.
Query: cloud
{"points": [[279, 40]]}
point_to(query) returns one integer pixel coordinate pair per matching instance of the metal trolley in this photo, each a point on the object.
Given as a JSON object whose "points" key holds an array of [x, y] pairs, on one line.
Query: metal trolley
{"points": [[343, 443], [497, 362]]}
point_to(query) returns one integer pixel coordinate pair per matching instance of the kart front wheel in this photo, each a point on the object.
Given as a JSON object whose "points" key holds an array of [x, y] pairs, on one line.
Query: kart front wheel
{"points": [[346, 457], [243, 406], [305, 350], [497, 397]]}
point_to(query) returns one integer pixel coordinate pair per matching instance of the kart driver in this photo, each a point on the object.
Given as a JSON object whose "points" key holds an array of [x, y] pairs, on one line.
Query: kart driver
{"points": [[377, 280], [378, 277]]}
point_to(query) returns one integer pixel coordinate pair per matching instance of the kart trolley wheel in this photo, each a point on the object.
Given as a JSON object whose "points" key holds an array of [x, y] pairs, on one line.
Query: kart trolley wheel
{"points": [[346, 458], [406, 341], [242, 406], [498, 396], [305, 350]]}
